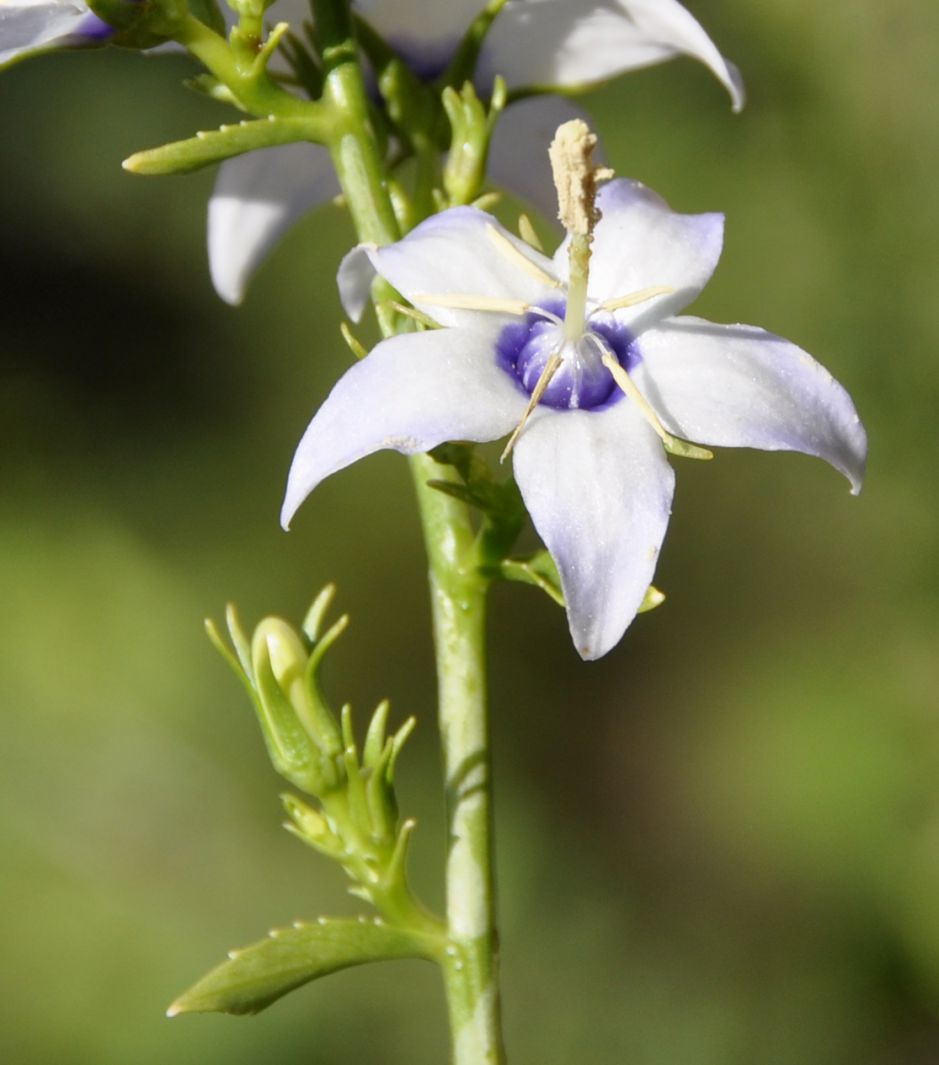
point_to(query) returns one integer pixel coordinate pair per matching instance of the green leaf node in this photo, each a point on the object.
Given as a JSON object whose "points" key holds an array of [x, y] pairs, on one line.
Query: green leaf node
{"points": [[256, 976]]}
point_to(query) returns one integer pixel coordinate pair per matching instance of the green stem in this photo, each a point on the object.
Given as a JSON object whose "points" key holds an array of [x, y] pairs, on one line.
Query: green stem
{"points": [[354, 147], [458, 592], [458, 597]]}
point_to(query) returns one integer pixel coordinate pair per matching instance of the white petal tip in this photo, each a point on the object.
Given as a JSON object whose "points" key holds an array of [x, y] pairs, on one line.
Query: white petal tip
{"points": [[736, 88], [228, 289]]}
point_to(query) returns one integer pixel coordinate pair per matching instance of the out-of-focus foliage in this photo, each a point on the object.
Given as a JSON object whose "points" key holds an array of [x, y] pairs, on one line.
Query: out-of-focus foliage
{"points": [[719, 844]]}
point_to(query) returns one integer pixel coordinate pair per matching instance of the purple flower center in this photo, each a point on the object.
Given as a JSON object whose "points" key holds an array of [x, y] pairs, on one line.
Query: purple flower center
{"points": [[581, 382]]}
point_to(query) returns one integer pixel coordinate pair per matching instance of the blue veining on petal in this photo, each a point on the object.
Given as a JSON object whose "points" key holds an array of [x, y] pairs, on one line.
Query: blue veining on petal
{"points": [[523, 349]]}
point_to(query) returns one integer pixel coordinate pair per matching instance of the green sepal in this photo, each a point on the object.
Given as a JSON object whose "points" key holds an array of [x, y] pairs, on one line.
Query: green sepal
{"points": [[651, 599], [214, 146], [683, 449], [539, 570], [375, 736], [256, 976]]}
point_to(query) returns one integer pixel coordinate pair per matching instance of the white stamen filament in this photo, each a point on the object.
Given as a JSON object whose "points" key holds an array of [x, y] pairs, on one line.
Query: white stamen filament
{"points": [[460, 301], [519, 258], [619, 302], [464, 302], [550, 369], [673, 444]]}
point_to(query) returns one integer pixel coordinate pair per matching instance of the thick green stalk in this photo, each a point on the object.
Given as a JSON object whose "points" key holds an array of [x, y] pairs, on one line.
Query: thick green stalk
{"points": [[458, 592], [458, 599], [354, 145]]}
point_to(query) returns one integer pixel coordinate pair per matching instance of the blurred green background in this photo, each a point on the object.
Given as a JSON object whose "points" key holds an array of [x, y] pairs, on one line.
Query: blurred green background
{"points": [[718, 845]]}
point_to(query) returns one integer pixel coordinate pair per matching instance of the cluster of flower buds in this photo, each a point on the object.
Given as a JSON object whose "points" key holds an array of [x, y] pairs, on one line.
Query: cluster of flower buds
{"points": [[355, 820]]}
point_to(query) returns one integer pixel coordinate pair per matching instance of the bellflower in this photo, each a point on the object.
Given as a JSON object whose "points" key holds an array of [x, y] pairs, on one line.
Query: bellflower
{"points": [[533, 44], [631, 382], [30, 26]]}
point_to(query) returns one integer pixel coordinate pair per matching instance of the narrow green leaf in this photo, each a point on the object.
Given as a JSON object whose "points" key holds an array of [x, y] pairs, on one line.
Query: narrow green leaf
{"points": [[538, 570], [214, 146], [252, 978]]}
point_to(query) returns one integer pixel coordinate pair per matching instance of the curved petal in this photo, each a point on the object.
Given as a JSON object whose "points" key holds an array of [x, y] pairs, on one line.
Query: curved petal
{"points": [[31, 25], [462, 252], [518, 155], [412, 393], [354, 279], [570, 43], [599, 491], [257, 197], [739, 386], [640, 242]]}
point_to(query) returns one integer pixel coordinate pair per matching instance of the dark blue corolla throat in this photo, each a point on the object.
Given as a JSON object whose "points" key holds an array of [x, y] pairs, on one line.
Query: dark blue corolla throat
{"points": [[582, 382]]}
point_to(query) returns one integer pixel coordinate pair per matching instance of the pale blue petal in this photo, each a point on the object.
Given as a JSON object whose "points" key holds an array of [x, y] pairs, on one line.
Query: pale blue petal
{"points": [[457, 253], [640, 242], [257, 197], [739, 386], [599, 491], [33, 25], [410, 394], [571, 43], [354, 280], [518, 155]]}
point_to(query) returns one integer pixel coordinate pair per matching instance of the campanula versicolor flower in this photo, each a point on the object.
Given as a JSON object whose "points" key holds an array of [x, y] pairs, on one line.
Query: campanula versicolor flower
{"points": [[596, 375]]}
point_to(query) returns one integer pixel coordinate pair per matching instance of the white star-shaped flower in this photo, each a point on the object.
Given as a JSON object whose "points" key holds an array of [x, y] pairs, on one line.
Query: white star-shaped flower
{"points": [[590, 458], [563, 44]]}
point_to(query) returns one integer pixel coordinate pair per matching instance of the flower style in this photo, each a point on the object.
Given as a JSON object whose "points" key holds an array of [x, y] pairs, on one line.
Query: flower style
{"points": [[629, 377], [30, 26], [565, 44]]}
